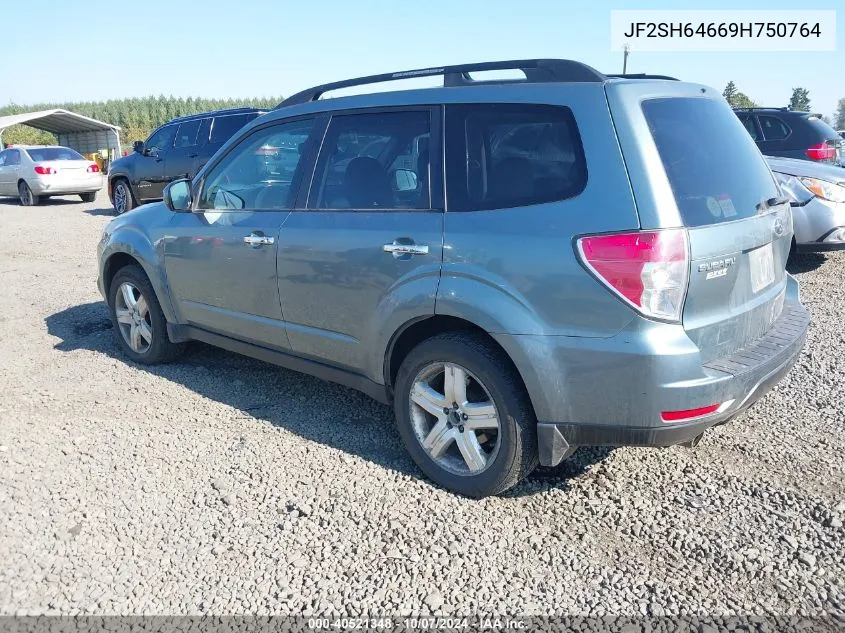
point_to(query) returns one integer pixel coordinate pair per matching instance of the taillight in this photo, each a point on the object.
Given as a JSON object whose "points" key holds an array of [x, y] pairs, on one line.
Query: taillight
{"points": [[93, 168], [44, 170], [649, 270], [822, 151]]}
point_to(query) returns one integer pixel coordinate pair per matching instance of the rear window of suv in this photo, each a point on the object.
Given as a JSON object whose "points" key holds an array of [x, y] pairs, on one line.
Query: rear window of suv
{"points": [[716, 171]]}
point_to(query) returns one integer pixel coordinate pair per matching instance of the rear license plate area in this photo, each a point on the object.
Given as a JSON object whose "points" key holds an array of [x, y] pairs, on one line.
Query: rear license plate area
{"points": [[762, 263]]}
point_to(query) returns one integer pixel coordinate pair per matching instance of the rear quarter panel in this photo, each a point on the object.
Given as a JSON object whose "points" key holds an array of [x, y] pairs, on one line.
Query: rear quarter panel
{"points": [[515, 271]]}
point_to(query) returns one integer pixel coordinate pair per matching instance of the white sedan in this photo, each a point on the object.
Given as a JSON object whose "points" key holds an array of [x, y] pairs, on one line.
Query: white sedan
{"points": [[34, 173]]}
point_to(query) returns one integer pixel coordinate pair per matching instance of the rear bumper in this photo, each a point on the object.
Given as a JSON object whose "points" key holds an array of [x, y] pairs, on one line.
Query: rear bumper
{"points": [[612, 391], [43, 187]]}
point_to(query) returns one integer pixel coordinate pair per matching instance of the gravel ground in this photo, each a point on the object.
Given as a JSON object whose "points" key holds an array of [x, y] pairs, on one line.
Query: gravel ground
{"points": [[224, 485]]}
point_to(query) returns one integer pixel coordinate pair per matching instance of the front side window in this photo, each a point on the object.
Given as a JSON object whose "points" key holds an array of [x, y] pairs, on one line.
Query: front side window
{"points": [[186, 135], [774, 129], [374, 161], [510, 155], [160, 140], [53, 153], [261, 172]]}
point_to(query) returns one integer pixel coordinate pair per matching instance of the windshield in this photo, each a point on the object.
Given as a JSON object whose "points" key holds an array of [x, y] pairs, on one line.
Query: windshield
{"points": [[715, 169], [39, 154]]}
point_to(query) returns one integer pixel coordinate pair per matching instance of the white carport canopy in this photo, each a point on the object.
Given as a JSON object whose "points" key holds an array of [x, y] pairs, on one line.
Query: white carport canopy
{"points": [[72, 130]]}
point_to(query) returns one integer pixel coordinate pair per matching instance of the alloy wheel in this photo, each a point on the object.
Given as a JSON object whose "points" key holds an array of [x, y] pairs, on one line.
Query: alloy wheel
{"points": [[454, 418], [25, 194], [120, 198], [133, 318]]}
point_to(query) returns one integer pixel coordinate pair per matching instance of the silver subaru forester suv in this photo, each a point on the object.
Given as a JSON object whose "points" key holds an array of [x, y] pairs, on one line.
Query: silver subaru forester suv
{"points": [[520, 267]]}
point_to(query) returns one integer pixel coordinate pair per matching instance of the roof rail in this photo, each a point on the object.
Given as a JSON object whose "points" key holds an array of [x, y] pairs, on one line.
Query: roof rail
{"points": [[644, 76], [536, 71], [785, 109]]}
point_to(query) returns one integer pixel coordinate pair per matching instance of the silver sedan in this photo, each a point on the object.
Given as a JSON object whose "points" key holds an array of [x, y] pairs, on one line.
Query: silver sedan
{"points": [[33, 173], [817, 195]]}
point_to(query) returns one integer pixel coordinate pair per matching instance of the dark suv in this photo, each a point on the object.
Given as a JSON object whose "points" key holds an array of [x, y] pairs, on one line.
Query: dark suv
{"points": [[177, 149], [792, 134]]}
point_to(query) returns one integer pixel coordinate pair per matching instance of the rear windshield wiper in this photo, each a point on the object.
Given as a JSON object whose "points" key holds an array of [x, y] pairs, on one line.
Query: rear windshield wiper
{"points": [[765, 205]]}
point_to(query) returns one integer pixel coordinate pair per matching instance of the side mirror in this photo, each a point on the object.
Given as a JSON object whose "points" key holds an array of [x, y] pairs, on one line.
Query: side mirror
{"points": [[138, 146], [177, 195], [404, 180]]}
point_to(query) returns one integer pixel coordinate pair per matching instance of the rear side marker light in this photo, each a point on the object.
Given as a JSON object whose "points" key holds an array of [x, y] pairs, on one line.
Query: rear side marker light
{"points": [[44, 170], [648, 270], [676, 416]]}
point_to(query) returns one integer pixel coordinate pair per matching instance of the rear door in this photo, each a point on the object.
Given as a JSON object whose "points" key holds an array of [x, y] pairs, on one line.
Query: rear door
{"points": [[739, 228], [10, 172], [4, 178], [778, 138], [368, 248]]}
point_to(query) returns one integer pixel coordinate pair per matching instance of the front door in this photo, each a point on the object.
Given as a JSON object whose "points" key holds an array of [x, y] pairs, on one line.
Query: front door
{"points": [[149, 170], [368, 248], [182, 160], [221, 258]]}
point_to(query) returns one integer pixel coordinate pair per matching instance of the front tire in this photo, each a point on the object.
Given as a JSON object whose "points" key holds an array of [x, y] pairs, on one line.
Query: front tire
{"points": [[88, 197], [122, 197], [464, 415], [137, 318], [27, 198]]}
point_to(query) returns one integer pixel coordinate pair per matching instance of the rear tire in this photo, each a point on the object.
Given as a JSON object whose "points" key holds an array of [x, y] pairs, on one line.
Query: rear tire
{"points": [[27, 198], [122, 197], [138, 321], [464, 451], [88, 197]]}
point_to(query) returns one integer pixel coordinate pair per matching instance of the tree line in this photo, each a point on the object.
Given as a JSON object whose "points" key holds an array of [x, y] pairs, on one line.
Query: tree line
{"points": [[799, 101], [137, 116]]}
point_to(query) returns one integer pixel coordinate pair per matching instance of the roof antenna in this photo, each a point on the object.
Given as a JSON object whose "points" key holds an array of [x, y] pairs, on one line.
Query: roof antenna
{"points": [[626, 49]]}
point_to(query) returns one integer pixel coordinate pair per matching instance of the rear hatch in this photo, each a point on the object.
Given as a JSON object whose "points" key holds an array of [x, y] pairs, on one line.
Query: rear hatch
{"points": [[739, 227]]}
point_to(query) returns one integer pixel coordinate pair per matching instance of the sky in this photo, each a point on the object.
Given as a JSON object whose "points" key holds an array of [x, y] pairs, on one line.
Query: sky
{"points": [[254, 48]]}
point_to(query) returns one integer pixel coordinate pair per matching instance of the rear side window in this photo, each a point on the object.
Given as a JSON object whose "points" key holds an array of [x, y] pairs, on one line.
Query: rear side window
{"points": [[13, 157], [510, 155], [186, 135], [749, 124], [774, 129], [225, 126], [716, 171]]}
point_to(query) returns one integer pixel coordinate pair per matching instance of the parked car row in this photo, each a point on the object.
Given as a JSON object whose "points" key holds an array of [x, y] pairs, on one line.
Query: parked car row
{"points": [[520, 268]]}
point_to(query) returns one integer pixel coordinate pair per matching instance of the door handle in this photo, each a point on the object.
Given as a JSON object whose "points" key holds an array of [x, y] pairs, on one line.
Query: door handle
{"points": [[255, 240], [192, 155], [399, 249]]}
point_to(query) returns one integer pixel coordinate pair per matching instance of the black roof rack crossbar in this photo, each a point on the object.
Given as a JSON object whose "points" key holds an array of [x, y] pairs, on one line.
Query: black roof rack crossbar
{"points": [[643, 76], [535, 70]]}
